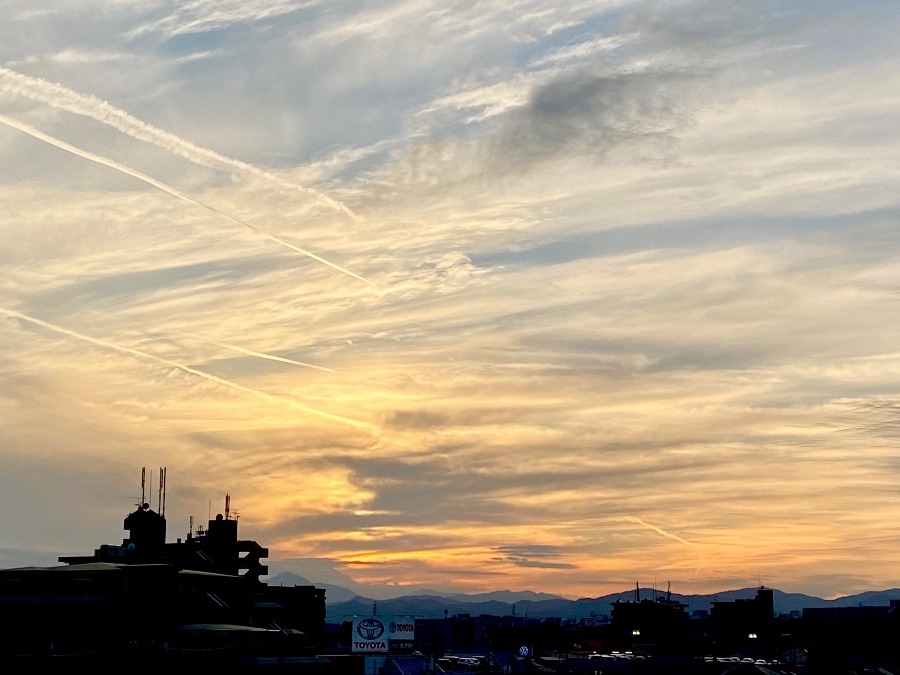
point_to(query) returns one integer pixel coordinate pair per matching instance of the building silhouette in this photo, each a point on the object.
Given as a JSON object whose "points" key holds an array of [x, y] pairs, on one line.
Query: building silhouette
{"points": [[745, 626], [200, 598]]}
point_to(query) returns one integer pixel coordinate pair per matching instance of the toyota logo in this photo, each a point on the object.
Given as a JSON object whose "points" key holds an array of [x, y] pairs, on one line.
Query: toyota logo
{"points": [[370, 629]]}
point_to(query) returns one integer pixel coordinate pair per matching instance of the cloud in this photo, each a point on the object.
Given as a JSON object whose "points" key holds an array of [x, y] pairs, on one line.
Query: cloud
{"points": [[533, 556], [187, 369], [58, 96], [636, 266], [201, 16], [62, 145], [271, 357], [589, 112]]}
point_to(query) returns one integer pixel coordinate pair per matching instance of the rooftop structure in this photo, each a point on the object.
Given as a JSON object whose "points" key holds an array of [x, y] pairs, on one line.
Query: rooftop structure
{"points": [[200, 596]]}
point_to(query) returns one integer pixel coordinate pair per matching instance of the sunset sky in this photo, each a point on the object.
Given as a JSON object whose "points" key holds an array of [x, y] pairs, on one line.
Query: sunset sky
{"points": [[462, 296]]}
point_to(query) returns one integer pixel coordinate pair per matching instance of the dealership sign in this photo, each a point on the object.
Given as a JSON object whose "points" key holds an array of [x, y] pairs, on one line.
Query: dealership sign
{"points": [[369, 635], [403, 634], [402, 628], [379, 634]]}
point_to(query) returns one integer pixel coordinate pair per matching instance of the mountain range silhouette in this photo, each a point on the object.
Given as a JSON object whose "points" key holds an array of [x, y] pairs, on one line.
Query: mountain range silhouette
{"points": [[343, 603]]}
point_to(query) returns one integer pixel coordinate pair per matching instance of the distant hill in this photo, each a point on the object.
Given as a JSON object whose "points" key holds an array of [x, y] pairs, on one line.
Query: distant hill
{"points": [[339, 594], [333, 592], [504, 596], [438, 606], [343, 603], [867, 599]]}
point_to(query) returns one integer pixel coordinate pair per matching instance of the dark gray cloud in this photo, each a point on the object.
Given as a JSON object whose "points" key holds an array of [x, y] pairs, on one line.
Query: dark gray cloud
{"points": [[579, 112], [442, 490], [586, 113], [533, 555], [877, 417]]}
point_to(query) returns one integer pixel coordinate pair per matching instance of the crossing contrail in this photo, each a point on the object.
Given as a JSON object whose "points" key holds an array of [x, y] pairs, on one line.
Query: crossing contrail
{"points": [[187, 369], [58, 96], [62, 145], [262, 355]]}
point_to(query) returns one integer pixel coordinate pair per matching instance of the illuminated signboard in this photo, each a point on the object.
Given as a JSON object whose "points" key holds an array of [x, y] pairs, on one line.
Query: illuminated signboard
{"points": [[377, 634], [370, 635], [402, 628]]}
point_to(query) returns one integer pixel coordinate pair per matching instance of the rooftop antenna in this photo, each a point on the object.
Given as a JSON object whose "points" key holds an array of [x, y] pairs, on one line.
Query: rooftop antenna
{"points": [[669, 592], [143, 489], [227, 505], [637, 591], [191, 535], [163, 473]]}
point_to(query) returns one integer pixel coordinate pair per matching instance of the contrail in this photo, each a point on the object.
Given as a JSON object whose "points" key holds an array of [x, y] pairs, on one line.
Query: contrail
{"points": [[669, 535], [661, 531], [62, 145], [261, 355], [60, 97], [188, 369]]}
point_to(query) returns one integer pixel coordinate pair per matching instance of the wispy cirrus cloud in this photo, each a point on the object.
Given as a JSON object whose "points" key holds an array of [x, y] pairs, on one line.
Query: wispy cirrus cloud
{"points": [[533, 556], [636, 265], [93, 157], [201, 16], [58, 96]]}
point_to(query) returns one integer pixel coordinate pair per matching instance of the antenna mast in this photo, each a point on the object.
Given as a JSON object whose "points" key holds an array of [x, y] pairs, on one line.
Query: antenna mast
{"points": [[227, 505], [143, 488], [165, 475]]}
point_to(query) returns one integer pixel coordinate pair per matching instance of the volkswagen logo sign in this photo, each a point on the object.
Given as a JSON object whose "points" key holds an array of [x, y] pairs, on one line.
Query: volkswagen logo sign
{"points": [[370, 629], [524, 651]]}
